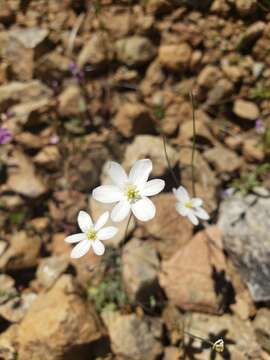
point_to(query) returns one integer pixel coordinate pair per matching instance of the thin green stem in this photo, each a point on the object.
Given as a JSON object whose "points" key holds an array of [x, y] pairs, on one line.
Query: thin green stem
{"points": [[168, 160], [126, 231], [193, 146], [199, 338]]}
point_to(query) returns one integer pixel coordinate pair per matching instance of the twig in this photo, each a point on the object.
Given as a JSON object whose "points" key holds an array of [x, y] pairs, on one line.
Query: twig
{"points": [[74, 33]]}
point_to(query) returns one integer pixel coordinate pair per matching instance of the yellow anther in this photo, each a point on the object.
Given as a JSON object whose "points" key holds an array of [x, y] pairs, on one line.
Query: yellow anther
{"points": [[91, 234], [132, 192], [218, 346]]}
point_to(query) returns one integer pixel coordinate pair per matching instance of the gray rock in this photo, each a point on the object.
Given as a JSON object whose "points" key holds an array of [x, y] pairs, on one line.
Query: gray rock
{"points": [[133, 337], [134, 50], [50, 269], [140, 269], [245, 223]]}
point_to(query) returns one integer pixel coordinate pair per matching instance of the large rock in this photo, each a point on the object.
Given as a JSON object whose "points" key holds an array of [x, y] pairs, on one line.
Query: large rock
{"points": [[192, 285], [140, 269], [22, 252], [23, 178], [135, 50], [57, 324], [133, 337], [246, 109], [132, 119], [96, 51], [238, 335], [147, 146], [175, 57], [170, 230], [245, 224], [224, 160], [23, 91]]}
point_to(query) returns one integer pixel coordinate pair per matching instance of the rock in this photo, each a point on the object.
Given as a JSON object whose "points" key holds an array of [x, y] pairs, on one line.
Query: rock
{"points": [[224, 160], [7, 288], [251, 35], [140, 269], [29, 37], [246, 109], [15, 309], [97, 51], [49, 157], [262, 328], [3, 246], [220, 7], [58, 323], [171, 231], [202, 129], [238, 335], [58, 246], [135, 50], [209, 76], [15, 92], [253, 150], [244, 222], [22, 253], [233, 72], [192, 285], [22, 176], [40, 224], [50, 269], [246, 7], [220, 91], [28, 113], [97, 209], [172, 353], [71, 101], [132, 336], [175, 57], [147, 146], [153, 79], [8, 346], [132, 119], [83, 168], [157, 6], [174, 322]]}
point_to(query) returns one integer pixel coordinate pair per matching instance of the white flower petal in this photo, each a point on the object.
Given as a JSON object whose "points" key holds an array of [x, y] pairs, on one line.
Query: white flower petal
{"points": [[153, 187], [116, 173], [107, 232], [182, 209], [75, 238], [107, 194], [80, 249], [120, 211], [201, 213], [98, 247], [196, 202], [101, 221], [182, 194], [143, 209], [140, 172], [84, 220], [192, 218]]}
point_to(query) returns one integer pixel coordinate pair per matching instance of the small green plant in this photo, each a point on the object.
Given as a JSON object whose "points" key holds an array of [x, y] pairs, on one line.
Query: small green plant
{"points": [[109, 293], [250, 180], [17, 218], [260, 93]]}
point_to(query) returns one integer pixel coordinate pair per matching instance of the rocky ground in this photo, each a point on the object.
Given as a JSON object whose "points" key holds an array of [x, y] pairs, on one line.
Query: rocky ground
{"points": [[82, 82]]}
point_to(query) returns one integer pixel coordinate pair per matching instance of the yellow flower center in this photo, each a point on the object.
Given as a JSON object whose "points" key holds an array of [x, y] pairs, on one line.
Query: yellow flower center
{"points": [[188, 205], [132, 193], [91, 235]]}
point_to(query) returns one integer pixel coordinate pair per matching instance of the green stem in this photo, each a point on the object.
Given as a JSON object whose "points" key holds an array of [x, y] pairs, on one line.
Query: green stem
{"points": [[193, 146], [168, 160], [198, 338]]}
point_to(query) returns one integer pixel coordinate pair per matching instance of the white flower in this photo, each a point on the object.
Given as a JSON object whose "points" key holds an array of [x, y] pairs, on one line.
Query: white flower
{"points": [[130, 192], [91, 235], [190, 207]]}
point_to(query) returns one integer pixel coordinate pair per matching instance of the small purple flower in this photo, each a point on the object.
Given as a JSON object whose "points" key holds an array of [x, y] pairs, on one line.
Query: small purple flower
{"points": [[259, 126], [5, 136], [76, 72], [227, 193]]}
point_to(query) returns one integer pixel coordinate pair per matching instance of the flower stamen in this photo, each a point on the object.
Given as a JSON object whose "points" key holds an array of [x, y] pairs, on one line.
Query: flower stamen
{"points": [[189, 205], [132, 193], [91, 235]]}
